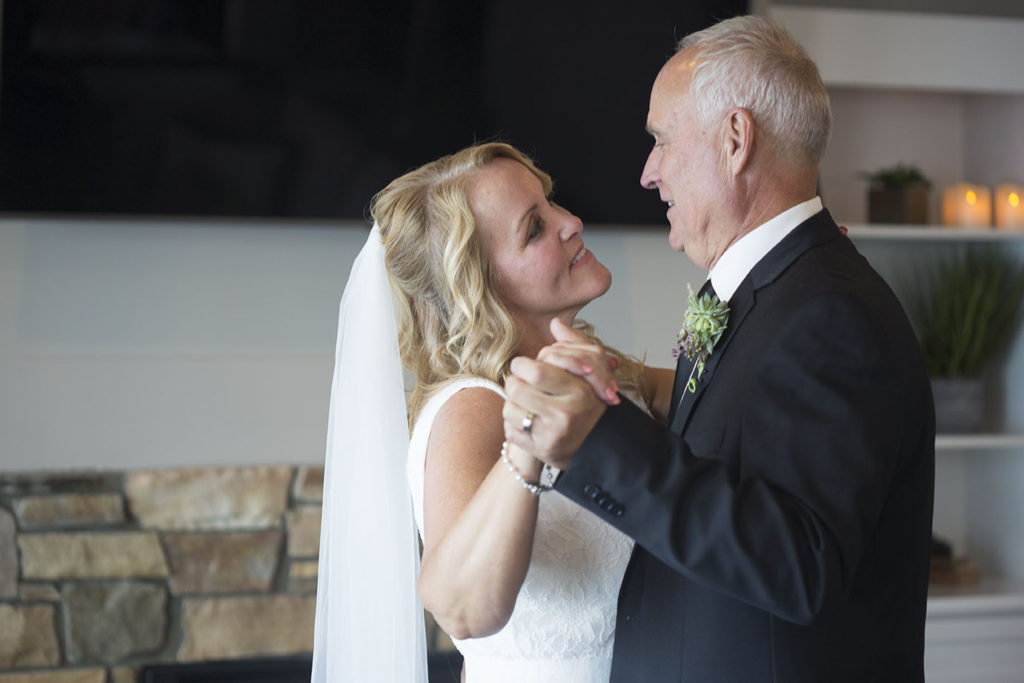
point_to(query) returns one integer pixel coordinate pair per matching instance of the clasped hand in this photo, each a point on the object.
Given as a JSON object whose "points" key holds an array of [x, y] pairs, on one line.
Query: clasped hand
{"points": [[566, 390]]}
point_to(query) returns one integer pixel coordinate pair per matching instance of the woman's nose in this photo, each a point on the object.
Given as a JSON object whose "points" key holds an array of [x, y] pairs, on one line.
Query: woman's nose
{"points": [[571, 226]]}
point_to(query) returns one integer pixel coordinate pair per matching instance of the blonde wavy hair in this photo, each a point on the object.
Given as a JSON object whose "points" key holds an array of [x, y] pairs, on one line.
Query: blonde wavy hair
{"points": [[452, 323]]}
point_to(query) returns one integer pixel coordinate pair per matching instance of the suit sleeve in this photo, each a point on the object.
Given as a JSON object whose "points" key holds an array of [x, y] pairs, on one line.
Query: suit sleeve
{"points": [[781, 516]]}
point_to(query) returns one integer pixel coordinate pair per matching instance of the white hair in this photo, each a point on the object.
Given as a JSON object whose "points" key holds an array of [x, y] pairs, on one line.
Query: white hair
{"points": [[753, 63]]}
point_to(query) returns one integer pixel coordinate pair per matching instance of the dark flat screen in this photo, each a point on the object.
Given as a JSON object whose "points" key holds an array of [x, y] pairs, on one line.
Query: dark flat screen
{"points": [[306, 108]]}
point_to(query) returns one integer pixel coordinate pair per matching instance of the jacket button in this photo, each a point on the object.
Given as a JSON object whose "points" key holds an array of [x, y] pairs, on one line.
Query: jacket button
{"points": [[602, 499], [592, 490], [618, 510]]}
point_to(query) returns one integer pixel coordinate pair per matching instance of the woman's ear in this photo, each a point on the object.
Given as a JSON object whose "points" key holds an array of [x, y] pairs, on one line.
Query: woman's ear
{"points": [[738, 140]]}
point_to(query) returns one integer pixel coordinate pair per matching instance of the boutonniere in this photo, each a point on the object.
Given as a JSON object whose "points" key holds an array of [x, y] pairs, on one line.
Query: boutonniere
{"points": [[703, 325]]}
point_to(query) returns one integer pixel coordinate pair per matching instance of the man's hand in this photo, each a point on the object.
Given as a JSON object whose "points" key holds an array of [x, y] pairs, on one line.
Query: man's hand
{"points": [[563, 393]]}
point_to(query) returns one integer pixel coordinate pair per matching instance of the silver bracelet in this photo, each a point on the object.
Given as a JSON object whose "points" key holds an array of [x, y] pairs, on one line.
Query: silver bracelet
{"points": [[535, 489]]}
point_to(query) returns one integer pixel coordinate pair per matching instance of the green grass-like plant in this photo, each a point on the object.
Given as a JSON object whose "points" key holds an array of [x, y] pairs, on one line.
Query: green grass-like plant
{"points": [[897, 177], [966, 309]]}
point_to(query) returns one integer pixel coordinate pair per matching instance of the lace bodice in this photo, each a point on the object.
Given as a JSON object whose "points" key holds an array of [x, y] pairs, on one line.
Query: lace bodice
{"points": [[562, 627]]}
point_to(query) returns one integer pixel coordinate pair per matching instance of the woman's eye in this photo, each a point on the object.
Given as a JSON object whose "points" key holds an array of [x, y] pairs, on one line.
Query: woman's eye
{"points": [[536, 227]]}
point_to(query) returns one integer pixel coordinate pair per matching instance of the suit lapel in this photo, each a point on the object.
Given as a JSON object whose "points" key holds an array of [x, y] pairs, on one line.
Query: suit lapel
{"points": [[816, 230]]}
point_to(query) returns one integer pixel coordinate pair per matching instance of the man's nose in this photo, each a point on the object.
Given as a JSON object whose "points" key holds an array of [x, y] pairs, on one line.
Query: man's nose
{"points": [[649, 178]]}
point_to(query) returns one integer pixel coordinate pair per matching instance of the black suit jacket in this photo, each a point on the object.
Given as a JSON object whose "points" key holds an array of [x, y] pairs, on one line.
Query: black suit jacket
{"points": [[783, 519]]}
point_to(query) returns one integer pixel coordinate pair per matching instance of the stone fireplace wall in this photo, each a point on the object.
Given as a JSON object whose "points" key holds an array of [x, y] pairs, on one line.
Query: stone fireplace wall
{"points": [[104, 572], [101, 573]]}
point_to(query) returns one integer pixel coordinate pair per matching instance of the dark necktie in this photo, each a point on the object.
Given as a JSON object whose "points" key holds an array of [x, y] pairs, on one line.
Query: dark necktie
{"points": [[707, 288]]}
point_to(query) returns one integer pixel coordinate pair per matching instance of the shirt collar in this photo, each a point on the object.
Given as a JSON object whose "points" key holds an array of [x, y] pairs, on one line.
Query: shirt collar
{"points": [[741, 257]]}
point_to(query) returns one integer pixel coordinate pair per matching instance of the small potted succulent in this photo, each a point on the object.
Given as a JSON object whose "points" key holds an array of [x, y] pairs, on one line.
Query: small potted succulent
{"points": [[966, 309], [898, 194]]}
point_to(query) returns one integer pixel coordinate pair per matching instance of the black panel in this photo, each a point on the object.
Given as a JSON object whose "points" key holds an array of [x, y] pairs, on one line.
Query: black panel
{"points": [[305, 108]]}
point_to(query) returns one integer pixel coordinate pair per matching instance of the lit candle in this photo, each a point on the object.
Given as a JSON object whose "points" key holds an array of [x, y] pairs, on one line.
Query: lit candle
{"points": [[1010, 206], [967, 205]]}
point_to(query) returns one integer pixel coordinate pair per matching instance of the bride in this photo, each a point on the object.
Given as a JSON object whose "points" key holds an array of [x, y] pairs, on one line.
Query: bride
{"points": [[479, 261]]}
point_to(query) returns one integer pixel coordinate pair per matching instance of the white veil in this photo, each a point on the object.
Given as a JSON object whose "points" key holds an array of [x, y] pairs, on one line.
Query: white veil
{"points": [[369, 621]]}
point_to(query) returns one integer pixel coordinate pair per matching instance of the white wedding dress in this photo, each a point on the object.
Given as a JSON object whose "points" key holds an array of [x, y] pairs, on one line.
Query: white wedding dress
{"points": [[563, 624]]}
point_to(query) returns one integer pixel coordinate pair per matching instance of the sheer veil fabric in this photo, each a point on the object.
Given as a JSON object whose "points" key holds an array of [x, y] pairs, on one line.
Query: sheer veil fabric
{"points": [[369, 621]]}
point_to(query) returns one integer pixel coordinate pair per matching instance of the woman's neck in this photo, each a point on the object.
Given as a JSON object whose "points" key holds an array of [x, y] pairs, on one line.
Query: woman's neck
{"points": [[533, 337]]}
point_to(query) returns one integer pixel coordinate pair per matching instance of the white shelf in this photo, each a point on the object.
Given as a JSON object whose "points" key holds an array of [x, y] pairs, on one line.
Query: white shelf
{"points": [[930, 233], [979, 442], [909, 50], [990, 596]]}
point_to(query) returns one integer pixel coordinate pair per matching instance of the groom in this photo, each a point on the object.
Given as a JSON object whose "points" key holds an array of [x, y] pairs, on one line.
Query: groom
{"points": [[783, 515]]}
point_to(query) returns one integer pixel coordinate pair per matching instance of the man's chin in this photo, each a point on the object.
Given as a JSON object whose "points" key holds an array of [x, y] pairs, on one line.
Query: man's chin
{"points": [[675, 239]]}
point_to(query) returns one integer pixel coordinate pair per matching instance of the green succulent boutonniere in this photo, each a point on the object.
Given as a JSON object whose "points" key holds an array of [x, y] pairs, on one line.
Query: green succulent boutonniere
{"points": [[703, 325]]}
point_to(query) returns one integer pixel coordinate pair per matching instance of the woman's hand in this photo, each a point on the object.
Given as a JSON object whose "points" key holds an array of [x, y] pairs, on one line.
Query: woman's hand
{"points": [[554, 401], [575, 353]]}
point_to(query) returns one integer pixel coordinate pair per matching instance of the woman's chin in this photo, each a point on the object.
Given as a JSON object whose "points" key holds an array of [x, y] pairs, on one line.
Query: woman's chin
{"points": [[607, 279], [602, 283]]}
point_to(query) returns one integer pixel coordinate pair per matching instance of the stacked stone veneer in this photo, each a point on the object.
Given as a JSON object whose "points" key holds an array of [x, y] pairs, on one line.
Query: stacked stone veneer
{"points": [[101, 573]]}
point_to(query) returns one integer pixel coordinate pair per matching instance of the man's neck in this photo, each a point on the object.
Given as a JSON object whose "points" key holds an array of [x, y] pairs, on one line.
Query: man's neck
{"points": [[763, 196], [740, 258]]}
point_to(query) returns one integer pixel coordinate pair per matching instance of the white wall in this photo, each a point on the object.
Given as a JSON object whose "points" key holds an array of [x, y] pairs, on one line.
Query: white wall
{"points": [[950, 137], [162, 343], [875, 129], [128, 344], [142, 343]]}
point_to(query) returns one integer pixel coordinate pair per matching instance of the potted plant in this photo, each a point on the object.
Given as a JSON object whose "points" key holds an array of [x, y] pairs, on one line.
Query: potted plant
{"points": [[965, 309], [898, 194]]}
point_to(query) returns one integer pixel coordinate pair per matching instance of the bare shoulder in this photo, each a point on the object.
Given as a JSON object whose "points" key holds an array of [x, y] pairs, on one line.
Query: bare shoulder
{"points": [[467, 431], [465, 442], [469, 410]]}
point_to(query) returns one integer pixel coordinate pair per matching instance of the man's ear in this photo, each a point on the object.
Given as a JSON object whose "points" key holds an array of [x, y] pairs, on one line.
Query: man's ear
{"points": [[738, 140]]}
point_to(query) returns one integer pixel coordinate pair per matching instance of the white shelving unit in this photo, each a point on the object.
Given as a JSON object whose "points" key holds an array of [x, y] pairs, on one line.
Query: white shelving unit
{"points": [[931, 233], [973, 631], [978, 442], [991, 596], [941, 91]]}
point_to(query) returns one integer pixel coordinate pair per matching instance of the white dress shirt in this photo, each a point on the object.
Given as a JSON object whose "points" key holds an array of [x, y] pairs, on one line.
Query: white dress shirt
{"points": [[740, 258]]}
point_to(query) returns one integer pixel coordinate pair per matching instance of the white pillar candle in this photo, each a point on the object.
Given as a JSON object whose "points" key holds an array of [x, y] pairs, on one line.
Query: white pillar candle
{"points": [[1010, 206], [966, 205]]}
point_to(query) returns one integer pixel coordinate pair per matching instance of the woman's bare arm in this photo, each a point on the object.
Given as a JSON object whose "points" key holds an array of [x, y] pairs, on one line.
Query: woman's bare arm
{"points": [[478, 519]]}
